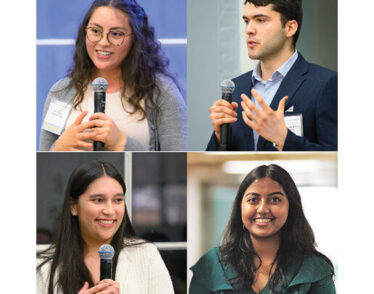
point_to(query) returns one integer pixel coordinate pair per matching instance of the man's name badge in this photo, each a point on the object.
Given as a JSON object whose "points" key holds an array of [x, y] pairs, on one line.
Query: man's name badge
{"points": [[294, 123], [56, 117]]}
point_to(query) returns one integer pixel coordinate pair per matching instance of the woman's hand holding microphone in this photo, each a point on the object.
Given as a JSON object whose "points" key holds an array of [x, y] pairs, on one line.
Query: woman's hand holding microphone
{"points": [[103, 287], [99, 128]]}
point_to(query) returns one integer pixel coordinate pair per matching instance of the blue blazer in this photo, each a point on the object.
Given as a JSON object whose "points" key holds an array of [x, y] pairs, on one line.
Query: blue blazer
{"points": [[312, 91]]}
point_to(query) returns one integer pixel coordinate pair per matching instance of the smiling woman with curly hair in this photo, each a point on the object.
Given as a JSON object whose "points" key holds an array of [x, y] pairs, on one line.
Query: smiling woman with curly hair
{"points": [[144, 107]]}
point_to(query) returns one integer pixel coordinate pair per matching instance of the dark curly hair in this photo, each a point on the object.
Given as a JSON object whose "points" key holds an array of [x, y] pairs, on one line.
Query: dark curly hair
{"points": [[297, 238], [288, 9], [139, 68]]}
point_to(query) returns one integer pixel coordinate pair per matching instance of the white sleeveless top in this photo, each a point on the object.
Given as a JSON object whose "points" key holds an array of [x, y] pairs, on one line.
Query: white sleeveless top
{"points": [[129, 124]]}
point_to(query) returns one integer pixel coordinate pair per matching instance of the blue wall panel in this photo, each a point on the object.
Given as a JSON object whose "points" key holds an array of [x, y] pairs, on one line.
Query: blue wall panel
{"points": [[178, 63], [61, 19], [168, 16]]}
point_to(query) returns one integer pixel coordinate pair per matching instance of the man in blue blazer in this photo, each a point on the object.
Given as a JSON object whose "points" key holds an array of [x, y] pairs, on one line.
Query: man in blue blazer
{"points": [[285, 103]]}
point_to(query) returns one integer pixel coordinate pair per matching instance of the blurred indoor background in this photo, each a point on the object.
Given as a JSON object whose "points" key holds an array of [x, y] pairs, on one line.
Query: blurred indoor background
{"points": [[217, 50], [57, 26], [155, 199], [213, 181]]}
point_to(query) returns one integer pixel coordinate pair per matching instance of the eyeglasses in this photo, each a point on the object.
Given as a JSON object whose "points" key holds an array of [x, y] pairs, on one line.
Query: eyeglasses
{"points": [[114, 37]]}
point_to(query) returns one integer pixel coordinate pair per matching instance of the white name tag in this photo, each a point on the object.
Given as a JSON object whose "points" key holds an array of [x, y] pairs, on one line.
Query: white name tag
{"points": [[295, 123], [56, 117], [290, 109]]}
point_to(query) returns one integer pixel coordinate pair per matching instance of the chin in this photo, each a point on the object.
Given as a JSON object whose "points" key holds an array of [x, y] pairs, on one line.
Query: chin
{"points": [[264, 235], [253, 56], [103, 67], [106, 240]]}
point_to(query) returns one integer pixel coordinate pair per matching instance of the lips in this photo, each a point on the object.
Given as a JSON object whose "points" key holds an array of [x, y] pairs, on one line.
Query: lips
{"points": [[251, 43], [103, 54], [106, 222], [262, 221]]}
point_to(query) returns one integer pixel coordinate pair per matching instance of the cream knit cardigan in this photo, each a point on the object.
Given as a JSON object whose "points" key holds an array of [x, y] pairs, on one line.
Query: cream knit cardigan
{"points": [[140, 270]]}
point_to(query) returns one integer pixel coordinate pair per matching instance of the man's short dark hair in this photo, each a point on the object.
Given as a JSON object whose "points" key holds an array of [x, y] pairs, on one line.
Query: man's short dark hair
{"points": [[288, 9]]}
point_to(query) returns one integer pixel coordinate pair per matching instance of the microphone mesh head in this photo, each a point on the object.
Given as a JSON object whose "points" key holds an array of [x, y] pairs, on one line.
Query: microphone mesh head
{"points": [[100, 85], [227, 86], [106, 251]]}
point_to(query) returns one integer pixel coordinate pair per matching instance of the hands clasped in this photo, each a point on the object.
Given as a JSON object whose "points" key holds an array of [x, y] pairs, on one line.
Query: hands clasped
{"points": [[103, 287], [99, 128]]}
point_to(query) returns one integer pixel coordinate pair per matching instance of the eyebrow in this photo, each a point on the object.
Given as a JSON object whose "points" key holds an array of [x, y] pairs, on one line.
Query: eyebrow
{"points": [[102, 195], [255, 16], [269, 195], [114, 28]]}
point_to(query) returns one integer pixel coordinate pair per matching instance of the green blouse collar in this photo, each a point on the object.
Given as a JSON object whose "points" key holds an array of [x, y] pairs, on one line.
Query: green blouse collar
{"points": [[216, 276]]}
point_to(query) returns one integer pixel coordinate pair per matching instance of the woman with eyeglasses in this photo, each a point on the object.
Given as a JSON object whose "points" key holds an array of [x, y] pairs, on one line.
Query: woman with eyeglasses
{"points": [[94, 213], [144, 108], [268, 245]]}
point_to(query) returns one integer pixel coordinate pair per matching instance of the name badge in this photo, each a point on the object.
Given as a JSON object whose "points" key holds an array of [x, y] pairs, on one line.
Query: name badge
{"points": [[56, 117], [294, 123]]}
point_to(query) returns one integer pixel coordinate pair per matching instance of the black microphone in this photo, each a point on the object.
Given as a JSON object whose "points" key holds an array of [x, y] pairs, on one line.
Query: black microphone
{"points": [[106, 253], [99, 85], [227, 88]]}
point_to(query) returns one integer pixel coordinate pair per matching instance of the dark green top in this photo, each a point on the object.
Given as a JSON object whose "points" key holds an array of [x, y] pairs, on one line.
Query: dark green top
{"points": [[311, 275]]}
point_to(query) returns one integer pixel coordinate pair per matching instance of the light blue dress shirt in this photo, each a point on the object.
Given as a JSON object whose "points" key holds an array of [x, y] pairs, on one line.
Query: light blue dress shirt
{"points": [[267, 89]]}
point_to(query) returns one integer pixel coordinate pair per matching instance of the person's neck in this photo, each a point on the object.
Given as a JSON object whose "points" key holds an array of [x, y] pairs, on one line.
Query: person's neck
{"points": [[91, 259], [91, 247], [266, 248], [91, 250], [270, 64], [113, 77]]}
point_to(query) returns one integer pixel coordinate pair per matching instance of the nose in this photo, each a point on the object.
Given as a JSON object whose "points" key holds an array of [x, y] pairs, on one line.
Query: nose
{"points": [[263, 206], [108, 208], [104, 40], [250, 28]]}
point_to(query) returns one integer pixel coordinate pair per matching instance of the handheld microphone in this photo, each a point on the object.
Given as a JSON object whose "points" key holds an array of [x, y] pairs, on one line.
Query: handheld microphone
{"points": [[106, 253], [99, 85], [227, 88]]}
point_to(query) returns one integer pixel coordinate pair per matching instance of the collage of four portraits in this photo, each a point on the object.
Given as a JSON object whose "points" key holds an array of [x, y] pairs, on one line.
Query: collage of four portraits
{"points": [[196, 138]]}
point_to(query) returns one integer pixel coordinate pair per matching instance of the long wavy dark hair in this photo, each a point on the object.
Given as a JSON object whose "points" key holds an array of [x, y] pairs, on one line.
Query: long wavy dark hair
{"points": [[140, 66], [68, 271], [297, 238]]}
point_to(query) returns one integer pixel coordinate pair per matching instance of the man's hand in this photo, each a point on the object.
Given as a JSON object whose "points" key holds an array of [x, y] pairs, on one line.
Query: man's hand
{"points": [[222, 112], [268, 123]]}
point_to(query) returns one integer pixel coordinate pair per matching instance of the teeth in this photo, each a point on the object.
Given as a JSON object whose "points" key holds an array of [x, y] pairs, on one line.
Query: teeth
{"points": [[104, 53], [263, 220], [106, 222]]}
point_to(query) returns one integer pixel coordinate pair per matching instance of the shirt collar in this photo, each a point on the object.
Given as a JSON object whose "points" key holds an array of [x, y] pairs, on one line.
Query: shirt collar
{"points": [[283, 70]]}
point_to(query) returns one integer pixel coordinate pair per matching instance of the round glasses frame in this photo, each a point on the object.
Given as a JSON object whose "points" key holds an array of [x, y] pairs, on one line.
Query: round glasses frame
{"points": [[98, 39]]}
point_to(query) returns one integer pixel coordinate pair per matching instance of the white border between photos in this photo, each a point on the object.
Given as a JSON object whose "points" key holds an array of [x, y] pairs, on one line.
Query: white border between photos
{"points": [[18, 133], [356, 141]]}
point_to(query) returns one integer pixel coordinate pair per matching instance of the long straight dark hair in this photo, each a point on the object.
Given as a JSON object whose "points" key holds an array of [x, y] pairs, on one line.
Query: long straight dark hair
{"points": [[297, 237], [68, 271]]}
